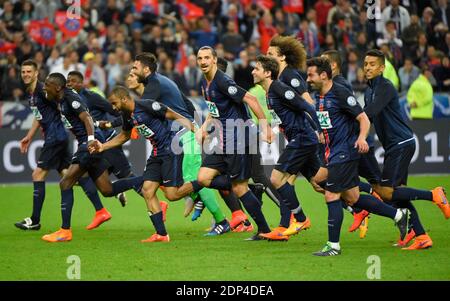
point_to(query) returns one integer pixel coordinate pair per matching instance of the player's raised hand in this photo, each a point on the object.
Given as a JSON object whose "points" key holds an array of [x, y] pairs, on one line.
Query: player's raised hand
{"points": [[24, 144], [361, 145]]}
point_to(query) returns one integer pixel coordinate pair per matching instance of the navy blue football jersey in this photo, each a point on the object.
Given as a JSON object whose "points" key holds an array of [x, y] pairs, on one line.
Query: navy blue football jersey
{"points": [[383, 109], [149, 119], [292, 77], [291, 112], [100, 109], [337, 111], [72, 105], [225, 103], [48, 116]]}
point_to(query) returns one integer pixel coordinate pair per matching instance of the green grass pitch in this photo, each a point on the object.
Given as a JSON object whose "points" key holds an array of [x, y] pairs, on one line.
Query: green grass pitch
{"points": [[114, 251]]}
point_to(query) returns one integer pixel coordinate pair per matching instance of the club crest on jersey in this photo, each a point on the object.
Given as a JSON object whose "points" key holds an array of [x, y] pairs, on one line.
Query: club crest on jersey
{"points": [[232, 90], [156, 106], [351, 100], [75, 104], [295, 83], [289, 94]]}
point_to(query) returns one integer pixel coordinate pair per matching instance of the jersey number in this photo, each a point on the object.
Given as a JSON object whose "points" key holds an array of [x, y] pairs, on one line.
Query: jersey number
{"points": [[212, 109], [324, 119]]}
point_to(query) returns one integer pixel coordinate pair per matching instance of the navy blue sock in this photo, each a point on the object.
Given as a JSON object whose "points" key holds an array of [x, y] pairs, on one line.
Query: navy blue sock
{"points": [[365, 187], [91, 191], [157, 220], [252, 206], [413, 218], [285, 215], [221, 182], [411, 194], [196, 186], [38, 201], [335, 218], [373, 205], [231, 200], [127, 184], [287, 192], [257, 191], [66, 207]]}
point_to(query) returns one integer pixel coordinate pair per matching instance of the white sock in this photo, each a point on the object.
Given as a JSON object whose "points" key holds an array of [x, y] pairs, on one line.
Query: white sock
{"points": [[335, 245], [398, 215]]}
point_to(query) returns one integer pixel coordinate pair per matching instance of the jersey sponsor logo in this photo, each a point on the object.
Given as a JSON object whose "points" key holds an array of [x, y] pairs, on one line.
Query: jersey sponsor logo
{"points": [[75, 104], [66, 122], [289, 94], [156, 106], [145, 131], [351, 101], [295, 83], [275, 118], [232, 90], [324, 119], [213, 110], [36, 113]]}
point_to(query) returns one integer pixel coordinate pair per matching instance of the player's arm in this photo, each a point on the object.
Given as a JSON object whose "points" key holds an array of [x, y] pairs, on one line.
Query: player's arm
{"points": [[364, 127], [300, 104], [118, 140], [88, 124], [306, 96], [200, 134], [172, 115], [254, 105], [25, 142], [383, 96]]}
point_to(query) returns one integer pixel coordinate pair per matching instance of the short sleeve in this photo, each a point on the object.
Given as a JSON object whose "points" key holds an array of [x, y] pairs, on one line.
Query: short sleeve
{"points": [[228, 87], [154, 108], [348, 103]]}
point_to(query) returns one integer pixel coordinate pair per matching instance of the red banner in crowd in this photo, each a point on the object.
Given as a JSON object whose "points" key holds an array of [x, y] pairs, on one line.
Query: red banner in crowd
{"points": [[6, 46], [147, 6], [69, 27], [189, 10], [293, 6], [42, 32]]}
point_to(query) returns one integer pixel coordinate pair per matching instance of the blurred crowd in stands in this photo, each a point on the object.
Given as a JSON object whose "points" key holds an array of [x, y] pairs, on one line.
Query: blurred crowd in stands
{"points": [[414, 35]]}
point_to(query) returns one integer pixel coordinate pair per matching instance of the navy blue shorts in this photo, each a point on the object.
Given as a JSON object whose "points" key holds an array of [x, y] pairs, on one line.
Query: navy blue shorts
{"points": [[396, 164], [119, 164], [94, 164], [55, 156], [342, 176], [166, 170], [368, 167], [303, 160], [237, 166]]}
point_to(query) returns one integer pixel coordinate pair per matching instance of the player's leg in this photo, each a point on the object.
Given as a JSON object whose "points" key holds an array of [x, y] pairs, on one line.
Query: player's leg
{"points": [[291, 162], [335, 218], [66, 184], [33, 223], [54, 156], [259, 177], [155, 213], [192, 161]]}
